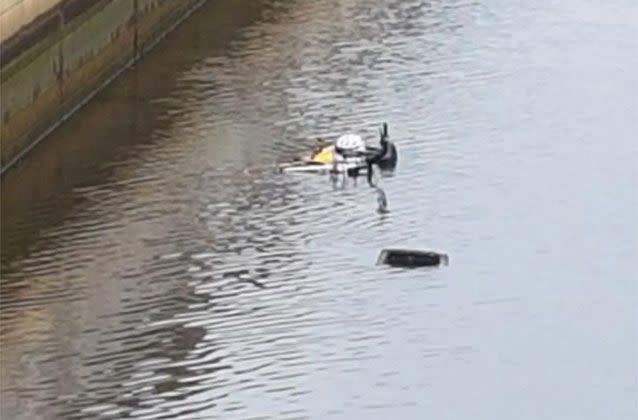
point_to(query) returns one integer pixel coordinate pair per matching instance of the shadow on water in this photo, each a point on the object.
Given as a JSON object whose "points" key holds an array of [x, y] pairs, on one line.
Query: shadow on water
{"points": [[158, 326], [91, 147], [148, 278]]}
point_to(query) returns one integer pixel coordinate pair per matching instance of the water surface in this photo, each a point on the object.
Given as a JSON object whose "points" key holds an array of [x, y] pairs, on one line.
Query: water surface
{"points": [[154, 265]]}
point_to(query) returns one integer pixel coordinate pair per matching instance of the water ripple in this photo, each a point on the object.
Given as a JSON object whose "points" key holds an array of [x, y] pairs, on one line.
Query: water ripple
{"points": [[181, 277]]}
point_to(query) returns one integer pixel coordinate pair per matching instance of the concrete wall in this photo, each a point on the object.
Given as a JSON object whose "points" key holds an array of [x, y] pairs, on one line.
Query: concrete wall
{"points": [[59, 58], [15, 14]]}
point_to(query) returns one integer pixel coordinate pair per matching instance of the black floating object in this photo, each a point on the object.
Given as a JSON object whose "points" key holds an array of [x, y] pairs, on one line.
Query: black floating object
{"points": [[411, 258]]}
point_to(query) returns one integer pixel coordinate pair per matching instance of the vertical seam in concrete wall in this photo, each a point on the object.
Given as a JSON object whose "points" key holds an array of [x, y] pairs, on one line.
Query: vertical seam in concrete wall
{"points": [[136, 9]]}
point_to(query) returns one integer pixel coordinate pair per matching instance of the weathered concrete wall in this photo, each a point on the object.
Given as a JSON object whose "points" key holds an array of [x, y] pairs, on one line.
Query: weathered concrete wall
{"points": [[16, 14], [54, 62]]}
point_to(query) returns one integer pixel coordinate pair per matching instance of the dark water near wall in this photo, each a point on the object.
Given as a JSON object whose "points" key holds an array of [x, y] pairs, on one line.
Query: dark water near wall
{"points": [[155, 266]]}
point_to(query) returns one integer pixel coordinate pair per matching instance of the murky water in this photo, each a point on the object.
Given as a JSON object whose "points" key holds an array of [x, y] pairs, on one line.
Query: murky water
{"points": [[155, 266]]}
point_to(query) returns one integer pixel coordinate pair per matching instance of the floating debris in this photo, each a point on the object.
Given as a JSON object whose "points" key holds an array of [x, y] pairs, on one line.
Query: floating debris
{"points": [[411, 258]]}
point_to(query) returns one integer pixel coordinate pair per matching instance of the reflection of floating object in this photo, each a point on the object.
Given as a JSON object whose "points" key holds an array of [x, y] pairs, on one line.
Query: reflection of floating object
{"points": [[322, 168], [411, 258]]}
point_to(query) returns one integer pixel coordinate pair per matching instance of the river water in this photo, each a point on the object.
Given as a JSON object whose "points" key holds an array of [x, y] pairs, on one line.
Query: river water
{"points": [[154, 265]]}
